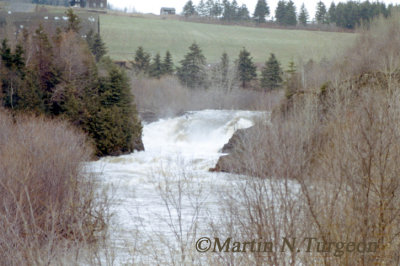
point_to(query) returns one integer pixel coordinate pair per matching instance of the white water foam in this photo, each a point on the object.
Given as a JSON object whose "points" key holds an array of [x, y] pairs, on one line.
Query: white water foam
{"points": [[191, 141]]}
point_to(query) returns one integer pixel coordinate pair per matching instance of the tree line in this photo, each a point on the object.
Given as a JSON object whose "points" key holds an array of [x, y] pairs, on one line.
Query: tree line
{"points": [[345, 14], [64, 75], [194, 72], [53, 2]]}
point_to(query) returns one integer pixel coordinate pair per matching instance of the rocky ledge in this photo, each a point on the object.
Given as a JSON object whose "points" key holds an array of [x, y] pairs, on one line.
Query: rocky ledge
{"points": [[234, 161]]}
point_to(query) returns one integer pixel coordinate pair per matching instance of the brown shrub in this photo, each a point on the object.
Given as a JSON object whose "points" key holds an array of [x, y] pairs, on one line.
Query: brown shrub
{"points": [[47, 199], [167, 97]]}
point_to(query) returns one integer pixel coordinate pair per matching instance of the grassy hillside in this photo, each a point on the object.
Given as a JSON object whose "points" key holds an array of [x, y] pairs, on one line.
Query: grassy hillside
{"points": [[124, 34]]}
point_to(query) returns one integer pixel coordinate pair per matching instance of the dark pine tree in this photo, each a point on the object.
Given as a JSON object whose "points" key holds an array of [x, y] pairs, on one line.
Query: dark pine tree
{"points": [[45, 66], [291, 80], [246, 68], [243, 13], [271, 74], [217, 9], [115, 125], [98, 47], [220, 72], [189, 9], [332, 13], [280, 12], [192, 71], [320, 13], [142, 61], [290, 14], [168, 64], [73, 21], [12, 74], [156, 69], [261, 11], [303, 16]]}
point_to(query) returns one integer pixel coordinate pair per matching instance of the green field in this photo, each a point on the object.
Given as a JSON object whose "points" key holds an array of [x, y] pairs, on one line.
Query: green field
{"points": [[124, 34]]}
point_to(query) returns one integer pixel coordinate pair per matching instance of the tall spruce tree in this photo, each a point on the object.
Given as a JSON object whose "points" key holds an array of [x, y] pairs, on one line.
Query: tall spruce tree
{"points": [[47, 73], [115, 124], [209, 7], [332, 13], [280, 12], [217, 9], [202, 9], [246, 68], [192, 72], [320, 13], [156, 68], [220, 72], [291, 80], [271, 74], [290, 14], [12, 74], [228, 12], [142, 61], [189, 9], [98, 47], [73, 21], [243, 14], [261, 11], [303, 16], [167, 64]]}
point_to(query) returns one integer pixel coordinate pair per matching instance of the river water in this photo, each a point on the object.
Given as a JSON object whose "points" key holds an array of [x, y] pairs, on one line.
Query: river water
{"points": [[160, 192]]}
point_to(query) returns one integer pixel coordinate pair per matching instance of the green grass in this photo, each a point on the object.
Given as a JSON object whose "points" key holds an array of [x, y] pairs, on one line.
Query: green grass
{"points": [[124, 34]]}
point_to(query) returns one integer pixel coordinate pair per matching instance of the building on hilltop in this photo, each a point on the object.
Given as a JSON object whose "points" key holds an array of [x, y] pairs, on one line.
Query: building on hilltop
{"points": [[167, 11], [89, 3], [96, 3]]}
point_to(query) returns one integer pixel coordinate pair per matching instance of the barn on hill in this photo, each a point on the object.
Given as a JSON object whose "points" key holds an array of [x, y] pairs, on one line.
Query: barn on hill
{"points": [[167, 11]]}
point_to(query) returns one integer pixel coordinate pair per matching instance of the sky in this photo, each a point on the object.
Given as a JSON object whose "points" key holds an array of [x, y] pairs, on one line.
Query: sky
{"points": [[153, 6]]}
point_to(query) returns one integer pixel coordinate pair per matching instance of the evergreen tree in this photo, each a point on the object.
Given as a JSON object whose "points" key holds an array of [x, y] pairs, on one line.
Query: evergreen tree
{"points": [[209, 7], [224, 67], [246, 68], [202, 9], [332, 13], [320, 13], [261, 11], [156, 69], [271, 74], [243, 13], [12, 74], [192, 71], [142, 61], [6, 55], [115, 125], [98, 47], [291, 80], [47, 73], [90, 38], [234, 10], [220, 72], [303, 16], [217, 9], [167, 65], [189, 9], [102, 106], [228, 11], [280, 12], [290, 14], [73, 21]]}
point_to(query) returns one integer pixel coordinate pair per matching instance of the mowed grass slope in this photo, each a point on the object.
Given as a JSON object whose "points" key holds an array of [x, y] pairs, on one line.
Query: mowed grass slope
{"points": [[124, 34]]}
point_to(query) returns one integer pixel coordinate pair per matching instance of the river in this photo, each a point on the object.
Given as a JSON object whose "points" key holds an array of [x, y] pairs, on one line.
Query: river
{"points": [[166, 194]]}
